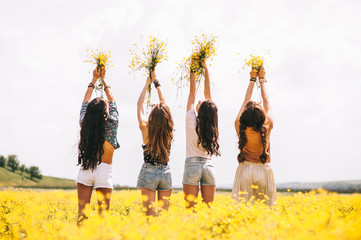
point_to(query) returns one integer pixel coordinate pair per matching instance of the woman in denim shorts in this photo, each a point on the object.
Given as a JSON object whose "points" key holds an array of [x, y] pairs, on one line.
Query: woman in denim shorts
{"points": [[201, 143], [157, 135]]}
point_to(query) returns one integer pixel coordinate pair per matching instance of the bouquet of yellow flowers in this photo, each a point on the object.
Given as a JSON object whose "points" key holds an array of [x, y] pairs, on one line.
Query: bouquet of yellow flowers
{"points": [[101, 59], [254, 61], [204, 49], [148, 58]]}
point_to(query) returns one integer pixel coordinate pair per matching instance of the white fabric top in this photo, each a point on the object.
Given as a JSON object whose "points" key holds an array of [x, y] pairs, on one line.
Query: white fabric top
{"points": [[192, 147]]}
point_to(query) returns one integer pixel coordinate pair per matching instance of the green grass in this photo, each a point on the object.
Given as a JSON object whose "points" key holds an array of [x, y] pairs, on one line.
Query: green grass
{"points": [[10, 179]]}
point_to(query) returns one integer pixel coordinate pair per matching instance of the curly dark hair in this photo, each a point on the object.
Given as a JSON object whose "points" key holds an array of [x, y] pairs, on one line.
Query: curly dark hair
{"points": [[92, 134], [252, 116], [207, 127], [160, 132]]}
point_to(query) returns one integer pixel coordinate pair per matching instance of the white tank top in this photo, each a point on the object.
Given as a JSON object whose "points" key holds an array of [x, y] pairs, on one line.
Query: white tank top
{"points": [[192, 147]]}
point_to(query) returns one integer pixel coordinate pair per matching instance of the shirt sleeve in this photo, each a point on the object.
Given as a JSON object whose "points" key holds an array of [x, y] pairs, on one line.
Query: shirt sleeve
{"points": [[113, 112], [82, 111]]}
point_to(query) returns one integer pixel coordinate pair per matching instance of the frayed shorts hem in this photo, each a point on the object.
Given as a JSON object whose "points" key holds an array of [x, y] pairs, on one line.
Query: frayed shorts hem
{"points": [[200, 184], [154, 189], [95, 187]]}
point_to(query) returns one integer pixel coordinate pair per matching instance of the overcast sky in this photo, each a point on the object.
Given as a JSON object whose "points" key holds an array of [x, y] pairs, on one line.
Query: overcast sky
{"points": [[313, 80]]}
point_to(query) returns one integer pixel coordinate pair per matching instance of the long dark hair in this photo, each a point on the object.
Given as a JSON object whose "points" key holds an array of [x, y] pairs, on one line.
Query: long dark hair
{"points": [[92, 134], [160, 132], [207, 127], [252, 116]]}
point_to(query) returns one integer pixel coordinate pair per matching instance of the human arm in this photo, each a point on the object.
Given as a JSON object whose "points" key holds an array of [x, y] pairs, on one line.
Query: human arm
{"points": [[89, 91], [264, 94], [107, 90], [140, 109], [192, 91], [157, 86], [247, 98], [207, 84]]}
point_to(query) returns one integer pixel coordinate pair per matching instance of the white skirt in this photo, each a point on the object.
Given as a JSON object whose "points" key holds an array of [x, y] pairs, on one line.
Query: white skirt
{"points": [[254, 180]]}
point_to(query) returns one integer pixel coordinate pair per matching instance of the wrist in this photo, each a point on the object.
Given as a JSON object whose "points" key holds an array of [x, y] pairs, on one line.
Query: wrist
{"points": [[94, 80], [91, 85], [262, 80], [253, 79], [156, 83]]}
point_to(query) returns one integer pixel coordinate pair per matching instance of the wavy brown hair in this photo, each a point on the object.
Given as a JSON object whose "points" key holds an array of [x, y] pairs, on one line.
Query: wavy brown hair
{"points": [[207, 127], [92, 134], [160, 132], [253, 116]]}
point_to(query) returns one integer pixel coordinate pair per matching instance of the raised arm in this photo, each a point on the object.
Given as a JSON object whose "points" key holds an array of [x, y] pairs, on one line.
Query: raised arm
{"points": [[157, 86], [107, 90], [89, 91], [140, 109], [207, 84], [192, 91], [266, 103], [247, 97]]}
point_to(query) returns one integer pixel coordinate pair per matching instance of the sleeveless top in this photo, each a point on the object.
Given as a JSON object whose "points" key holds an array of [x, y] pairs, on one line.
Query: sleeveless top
{"points": [[111, 125], [148, 158], [254, 148], [193, 149]]}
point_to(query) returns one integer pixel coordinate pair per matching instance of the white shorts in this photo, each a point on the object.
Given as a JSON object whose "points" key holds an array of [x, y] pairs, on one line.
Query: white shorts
{"points": [[100, 177]]}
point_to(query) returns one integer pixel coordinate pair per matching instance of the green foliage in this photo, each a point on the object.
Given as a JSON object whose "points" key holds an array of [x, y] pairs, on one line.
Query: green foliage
{"points": [[13, 162], [22, 169], [35, 172], [2, 161]]}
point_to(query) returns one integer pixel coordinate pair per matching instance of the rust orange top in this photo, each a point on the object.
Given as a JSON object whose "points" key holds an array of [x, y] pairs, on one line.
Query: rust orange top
{"points": [[254, 148]]}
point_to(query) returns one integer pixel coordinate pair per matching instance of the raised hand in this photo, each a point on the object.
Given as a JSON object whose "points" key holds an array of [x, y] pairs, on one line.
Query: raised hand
{"points": [[153, 75], [102, 73], [261, 72], [96, 73], [253, 73], [204, 64], [149, 81]]}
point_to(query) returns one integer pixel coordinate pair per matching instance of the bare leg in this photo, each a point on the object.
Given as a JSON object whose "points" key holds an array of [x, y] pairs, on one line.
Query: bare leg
{"points": [[84, 195], [163, 198], [103, 197], [148, 197], [208, 193], [190, 194]]}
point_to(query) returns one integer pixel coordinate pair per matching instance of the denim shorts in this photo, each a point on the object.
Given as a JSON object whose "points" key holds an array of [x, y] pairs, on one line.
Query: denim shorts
{"points": [[198, 170], [155, 177]]}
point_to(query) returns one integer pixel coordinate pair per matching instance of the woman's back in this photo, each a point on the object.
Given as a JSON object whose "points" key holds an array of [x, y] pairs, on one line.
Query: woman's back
{"points": [[254, 147]]}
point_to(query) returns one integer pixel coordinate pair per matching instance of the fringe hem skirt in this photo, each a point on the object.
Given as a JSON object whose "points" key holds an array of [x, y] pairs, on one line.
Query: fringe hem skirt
{"points": [[254, 181]]}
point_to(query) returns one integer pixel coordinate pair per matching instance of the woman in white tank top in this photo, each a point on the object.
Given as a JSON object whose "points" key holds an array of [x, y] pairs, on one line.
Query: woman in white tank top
{"points": [[201, 143]]}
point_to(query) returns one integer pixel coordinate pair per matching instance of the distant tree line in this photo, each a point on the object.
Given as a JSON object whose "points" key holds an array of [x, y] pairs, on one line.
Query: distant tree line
{"points": [[13, 163]]}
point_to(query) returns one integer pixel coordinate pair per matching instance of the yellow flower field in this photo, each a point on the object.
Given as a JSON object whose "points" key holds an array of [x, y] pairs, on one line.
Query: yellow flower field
{"points": [[52, 215]]}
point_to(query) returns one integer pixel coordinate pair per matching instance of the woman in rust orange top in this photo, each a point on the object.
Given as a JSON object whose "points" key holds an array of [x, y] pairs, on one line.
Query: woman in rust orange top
{"points": [[254, 176]]}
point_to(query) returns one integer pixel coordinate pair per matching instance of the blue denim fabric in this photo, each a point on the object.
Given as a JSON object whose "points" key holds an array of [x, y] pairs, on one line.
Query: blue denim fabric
{"points": [[155, 177], [198, 170]]}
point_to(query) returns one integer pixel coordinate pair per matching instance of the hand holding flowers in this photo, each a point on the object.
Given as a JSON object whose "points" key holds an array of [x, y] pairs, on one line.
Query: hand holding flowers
{"points": [[101, 59], [204, 49], [148, 58]]}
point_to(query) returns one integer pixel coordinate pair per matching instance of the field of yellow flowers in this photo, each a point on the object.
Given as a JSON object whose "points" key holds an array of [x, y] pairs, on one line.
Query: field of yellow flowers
{"points": [[31, 214]]}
